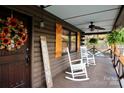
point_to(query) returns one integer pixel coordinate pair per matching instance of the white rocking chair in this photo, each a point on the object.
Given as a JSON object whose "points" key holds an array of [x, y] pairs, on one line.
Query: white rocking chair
{"points": [[87, 55], [78, 69]]}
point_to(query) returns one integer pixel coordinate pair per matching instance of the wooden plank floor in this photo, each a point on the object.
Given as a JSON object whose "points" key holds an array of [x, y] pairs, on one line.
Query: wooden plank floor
{"points": [[102, 75]]}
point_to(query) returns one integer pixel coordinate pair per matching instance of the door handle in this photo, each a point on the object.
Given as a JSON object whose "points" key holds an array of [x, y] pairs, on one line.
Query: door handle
{"points": [[27, 59], [27, 56]]}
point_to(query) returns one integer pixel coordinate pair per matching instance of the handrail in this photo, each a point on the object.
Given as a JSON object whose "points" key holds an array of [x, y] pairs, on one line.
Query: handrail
{"points": [[119, 55], [121, 58], [118, 63]]}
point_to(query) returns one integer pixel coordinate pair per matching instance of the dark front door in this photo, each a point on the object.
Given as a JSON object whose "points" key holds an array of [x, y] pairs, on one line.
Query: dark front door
{"points": [[15, 65]]}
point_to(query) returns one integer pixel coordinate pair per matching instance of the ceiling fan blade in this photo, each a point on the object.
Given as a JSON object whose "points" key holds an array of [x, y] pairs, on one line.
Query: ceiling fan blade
{"points": [[93, 27], [98, 27]]}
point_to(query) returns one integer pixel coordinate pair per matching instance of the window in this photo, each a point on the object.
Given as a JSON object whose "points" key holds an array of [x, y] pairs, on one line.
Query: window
{"points": [[69, 40], [65, 40], [73, 42]]}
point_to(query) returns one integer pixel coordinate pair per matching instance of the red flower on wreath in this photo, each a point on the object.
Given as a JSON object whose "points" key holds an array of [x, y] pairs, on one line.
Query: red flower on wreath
{"points": [[12, 22], [6, 41], [6, 30], [19, 43], [24, 38], [2, 35]]}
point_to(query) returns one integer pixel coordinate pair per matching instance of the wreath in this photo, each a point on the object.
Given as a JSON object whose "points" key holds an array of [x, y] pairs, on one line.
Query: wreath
{"points": [[13, 34]]}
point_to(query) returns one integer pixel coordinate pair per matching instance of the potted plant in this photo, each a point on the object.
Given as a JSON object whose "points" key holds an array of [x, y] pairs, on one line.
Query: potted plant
{"points": [[121, 35], [116, 37], [93, 41]]}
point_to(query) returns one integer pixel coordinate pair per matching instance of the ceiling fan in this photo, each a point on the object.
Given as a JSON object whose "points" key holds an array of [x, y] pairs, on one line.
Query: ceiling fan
{"points": [[93, 27]]}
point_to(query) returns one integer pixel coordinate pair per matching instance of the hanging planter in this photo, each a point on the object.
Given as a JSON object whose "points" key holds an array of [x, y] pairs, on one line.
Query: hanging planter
{"points": [[121, 35], [116, 37], [13, 34], [113, 38], [93, 41]]}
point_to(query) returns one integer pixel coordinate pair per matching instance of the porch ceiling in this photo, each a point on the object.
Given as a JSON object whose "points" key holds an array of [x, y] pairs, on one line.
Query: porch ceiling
{"points": [[81, 15]]}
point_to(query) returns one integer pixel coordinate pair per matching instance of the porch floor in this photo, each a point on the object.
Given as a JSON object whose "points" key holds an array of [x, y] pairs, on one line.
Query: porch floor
{"points": [[102, 75]]}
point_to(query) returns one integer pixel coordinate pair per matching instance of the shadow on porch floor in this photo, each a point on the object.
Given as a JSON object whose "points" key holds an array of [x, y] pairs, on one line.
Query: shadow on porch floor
{"points": [[102, 75]]}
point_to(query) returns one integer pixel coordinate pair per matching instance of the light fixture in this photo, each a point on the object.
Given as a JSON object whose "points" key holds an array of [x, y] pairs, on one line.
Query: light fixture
{"points": [[42, 24]]}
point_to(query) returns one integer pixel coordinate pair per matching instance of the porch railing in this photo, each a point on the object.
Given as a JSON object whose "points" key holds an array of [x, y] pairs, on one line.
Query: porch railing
{"points": [[118, 64]]}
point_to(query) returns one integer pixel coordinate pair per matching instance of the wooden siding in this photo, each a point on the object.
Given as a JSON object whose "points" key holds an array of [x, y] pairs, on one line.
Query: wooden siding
{"points": [[57, 64]]}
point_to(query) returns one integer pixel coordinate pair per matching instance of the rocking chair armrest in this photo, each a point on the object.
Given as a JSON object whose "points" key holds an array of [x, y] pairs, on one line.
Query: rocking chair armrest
{"points": [[76, 60], [89, 52]]}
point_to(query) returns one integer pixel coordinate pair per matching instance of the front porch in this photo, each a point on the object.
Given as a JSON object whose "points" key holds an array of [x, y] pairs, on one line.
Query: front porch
{"points": [[102, 75], [25, 66]]}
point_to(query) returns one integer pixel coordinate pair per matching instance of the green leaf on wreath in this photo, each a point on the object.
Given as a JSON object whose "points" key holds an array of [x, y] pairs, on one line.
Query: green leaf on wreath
{"points": [[0, 42], [13, 29], [13, 34]]}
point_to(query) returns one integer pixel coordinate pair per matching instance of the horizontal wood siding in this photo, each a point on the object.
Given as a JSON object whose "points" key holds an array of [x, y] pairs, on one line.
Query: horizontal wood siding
{"points": [[57, 65]]}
